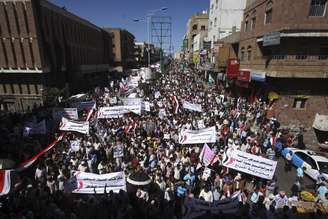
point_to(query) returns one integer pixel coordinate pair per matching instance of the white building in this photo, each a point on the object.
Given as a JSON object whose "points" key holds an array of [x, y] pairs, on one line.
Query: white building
{"points": [[224, 16]]}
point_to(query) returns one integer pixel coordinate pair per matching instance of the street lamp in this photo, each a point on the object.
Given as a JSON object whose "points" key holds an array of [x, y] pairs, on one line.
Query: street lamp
{"points": [[148, 20]]}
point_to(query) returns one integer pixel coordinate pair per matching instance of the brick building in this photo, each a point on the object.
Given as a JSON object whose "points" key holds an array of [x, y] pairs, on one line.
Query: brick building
{"points": [[123, 48], [43, 46], [283, 45]]}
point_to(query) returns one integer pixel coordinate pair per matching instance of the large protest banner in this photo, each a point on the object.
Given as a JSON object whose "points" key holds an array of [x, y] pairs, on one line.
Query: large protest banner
{"points": [[250, 164], [118, 111], [200, 136], [89, 183], [70, 113], [192, 106], [86, 105], [74, 126], [33, 128], [195, 208]]}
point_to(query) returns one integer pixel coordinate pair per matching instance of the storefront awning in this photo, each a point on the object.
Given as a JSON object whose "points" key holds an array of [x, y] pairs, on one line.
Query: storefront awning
{"points": [[321, 122]]}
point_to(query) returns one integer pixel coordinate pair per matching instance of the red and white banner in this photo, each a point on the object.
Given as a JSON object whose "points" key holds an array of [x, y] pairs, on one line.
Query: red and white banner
{"points": [[250, 164], [200, 136], [89, 183], [4, 182], [175, 105], [206, 155], [131, 126]]}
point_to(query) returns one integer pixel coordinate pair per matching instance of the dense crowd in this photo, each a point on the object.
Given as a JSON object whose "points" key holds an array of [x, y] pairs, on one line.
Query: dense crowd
{"points": [[151, 146]]}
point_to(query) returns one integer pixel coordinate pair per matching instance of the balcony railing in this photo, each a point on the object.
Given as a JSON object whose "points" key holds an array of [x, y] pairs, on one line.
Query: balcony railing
{"points": [[298, 57]]}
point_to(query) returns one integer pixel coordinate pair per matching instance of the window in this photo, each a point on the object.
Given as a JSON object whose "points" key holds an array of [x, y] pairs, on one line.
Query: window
{"points": [[268, 13], [247, 24], [249, 53], [299, 103], [242, 54], [216, 3], [253, 21], [317, 8], [202, 27], [323, 53], [194, 27], [215, 22]]}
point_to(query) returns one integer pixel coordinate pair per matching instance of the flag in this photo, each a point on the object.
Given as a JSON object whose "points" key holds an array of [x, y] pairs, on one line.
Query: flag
{"points": [[4, 182], [175, 105], [90, 113], [206, 155], [131, 126], [29, 162]]}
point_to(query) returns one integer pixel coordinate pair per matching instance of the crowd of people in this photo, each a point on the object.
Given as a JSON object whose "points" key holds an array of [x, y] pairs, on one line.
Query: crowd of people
{"points": [[150, 145]]}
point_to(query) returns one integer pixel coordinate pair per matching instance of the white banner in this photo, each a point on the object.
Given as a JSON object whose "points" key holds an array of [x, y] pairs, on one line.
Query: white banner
{"points": [[75, 126], [32, 128], [131, 101], [88, 183], [70, 113], [118, 111], [201, 136], [192, 106], [250, 164], [87, 105]]}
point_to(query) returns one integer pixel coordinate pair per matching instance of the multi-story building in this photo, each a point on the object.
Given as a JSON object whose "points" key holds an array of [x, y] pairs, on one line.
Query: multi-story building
{"points": [[225, 17], [123, 48], [141, 53], [197, 23], [43, 46], [284, 49]]}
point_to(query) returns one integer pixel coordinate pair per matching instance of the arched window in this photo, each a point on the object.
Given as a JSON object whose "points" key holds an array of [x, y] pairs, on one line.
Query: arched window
{"points": [[215, 22], [318, 8], [268, 13], [194, 27]]}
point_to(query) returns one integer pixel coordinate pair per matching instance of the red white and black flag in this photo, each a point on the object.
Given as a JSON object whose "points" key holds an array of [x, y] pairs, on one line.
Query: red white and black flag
{"points": [[175, 105], [4, 182]]}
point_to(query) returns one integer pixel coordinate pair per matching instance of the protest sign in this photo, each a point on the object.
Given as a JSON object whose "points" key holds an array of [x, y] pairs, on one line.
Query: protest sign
{"points": [[206, 155], [192, 106], [87, 105], [33, 128], [250, 164], [118, 151], [70, 113], [75, 145], [89, 183], [118, 111], [75, 126], [200, 136]]}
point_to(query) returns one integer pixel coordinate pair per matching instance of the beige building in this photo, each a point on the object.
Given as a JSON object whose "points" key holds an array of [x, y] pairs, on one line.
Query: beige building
{"points": [[198, 23]]}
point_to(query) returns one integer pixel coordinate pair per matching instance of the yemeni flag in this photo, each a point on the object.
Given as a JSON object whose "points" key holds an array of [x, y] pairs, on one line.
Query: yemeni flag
{"points": [[29, 162], [131, 126], [4, 182], [90, 113], [175, 105]]}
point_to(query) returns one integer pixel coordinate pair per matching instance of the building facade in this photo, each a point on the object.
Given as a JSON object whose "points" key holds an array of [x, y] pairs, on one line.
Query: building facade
{"points": [[284, 47], [225, 17], [123, 48], [141, 53], [197, 24], [43, 46]]}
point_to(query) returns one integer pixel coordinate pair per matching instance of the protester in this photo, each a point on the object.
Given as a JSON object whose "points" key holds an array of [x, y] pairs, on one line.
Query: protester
{"points": [[149, 142]]}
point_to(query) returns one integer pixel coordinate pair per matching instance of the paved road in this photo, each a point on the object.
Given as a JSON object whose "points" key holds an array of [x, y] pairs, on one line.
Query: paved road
{"points": [[287, 179]]}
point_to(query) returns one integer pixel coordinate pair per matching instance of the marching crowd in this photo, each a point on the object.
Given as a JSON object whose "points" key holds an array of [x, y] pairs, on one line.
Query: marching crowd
{"points": [[150, 145]]}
